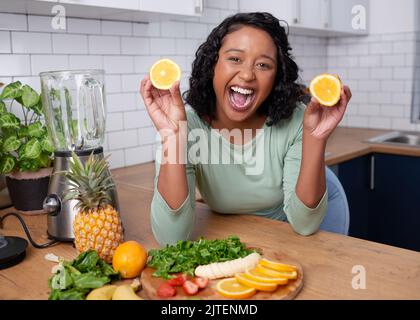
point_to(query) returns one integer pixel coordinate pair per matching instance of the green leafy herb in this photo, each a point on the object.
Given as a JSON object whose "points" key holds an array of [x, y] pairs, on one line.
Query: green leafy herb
{"points": [[185, 256], [75, 279]]}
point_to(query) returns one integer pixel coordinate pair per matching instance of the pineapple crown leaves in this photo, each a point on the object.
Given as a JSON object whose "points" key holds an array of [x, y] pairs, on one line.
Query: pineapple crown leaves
{"points": [[88, 182]]}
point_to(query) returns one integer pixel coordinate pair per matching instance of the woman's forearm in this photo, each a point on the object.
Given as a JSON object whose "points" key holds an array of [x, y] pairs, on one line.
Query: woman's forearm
{"points": [[311, 184], [172, 182]]}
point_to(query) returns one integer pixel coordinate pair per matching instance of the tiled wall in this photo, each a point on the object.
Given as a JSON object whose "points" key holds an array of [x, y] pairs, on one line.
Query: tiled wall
{"points": [[380, 70], [126, 51]]}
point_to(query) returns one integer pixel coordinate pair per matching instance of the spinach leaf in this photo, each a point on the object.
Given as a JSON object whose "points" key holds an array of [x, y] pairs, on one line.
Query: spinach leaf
{"points": [[86, 261], [89, 280], [185, 256]]}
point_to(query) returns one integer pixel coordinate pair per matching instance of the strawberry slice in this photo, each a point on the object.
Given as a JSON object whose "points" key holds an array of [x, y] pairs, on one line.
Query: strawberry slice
{"points": [[178, 280], [165, 290], [201, 282], [190, 288]]}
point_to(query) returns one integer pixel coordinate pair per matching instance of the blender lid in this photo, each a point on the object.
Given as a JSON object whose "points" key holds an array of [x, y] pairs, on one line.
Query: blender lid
{"points": [[80, 71], [12, 251]]}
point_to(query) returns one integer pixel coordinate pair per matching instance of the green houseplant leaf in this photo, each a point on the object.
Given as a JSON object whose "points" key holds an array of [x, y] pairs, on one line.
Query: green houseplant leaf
{"points": [[2, 107], [32, 149], [10, 144], [29, 96], [36, 129], [7, 164], [9, 120], [47, 145], [12, 91]]}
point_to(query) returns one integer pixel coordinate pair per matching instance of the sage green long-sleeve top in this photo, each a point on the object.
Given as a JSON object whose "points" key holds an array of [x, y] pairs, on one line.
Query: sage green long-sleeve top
{"points": [[257, 177]]}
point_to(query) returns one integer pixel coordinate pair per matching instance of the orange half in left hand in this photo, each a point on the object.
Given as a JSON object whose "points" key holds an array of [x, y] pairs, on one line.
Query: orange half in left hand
{"points": [[164, 73], [326, 88]]}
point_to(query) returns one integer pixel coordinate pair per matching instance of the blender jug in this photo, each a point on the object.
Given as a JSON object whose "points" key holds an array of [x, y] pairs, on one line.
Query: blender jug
{"points": [[75, 115]]}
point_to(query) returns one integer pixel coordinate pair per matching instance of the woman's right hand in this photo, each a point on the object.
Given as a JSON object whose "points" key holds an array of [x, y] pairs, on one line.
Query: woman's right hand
{"points": [[165, 107]]}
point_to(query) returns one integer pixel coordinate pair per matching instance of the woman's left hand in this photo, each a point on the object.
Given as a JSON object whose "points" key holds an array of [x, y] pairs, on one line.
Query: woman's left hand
{"points": [[320, 121]]}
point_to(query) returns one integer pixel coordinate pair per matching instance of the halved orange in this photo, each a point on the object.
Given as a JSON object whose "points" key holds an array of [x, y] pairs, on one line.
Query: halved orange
{"points": [[326, 88], [232, 289], [248, 281], [164, 73], [275, 273], [276, 265], [261, 277]]}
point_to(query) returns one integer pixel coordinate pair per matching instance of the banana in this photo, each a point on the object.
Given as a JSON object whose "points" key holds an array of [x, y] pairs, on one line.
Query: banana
{"points": [[103, 293]]}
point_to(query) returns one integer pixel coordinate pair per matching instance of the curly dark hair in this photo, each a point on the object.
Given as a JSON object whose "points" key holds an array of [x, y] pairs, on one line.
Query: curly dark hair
{"points": [[286, 91]]}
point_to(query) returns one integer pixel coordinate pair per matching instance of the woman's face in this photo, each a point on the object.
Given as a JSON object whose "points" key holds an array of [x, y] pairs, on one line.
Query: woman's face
{"points": [[244, 73]]}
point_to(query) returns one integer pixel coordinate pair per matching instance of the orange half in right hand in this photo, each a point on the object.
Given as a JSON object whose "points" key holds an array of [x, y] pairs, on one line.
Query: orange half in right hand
{"points": [[326, 88], [164, 73]]}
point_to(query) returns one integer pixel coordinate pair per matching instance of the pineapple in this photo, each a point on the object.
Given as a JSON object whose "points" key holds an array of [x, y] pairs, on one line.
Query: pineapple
{"points": [[97, 224]]}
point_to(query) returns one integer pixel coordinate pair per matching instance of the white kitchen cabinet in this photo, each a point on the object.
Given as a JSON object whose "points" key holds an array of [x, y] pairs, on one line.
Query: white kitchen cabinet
{"points": [[312, 17], [129, 10], [350, 16]]}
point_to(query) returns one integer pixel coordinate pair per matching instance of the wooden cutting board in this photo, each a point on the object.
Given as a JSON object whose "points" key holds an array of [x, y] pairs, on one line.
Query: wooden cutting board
{"points": [[286, 292]]}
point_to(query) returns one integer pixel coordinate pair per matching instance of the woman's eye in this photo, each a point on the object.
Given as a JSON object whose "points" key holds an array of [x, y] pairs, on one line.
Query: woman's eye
{"points": [[263, 65], [234, 59]]}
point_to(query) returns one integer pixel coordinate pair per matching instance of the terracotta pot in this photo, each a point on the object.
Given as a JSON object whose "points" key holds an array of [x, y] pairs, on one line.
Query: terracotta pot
{"points": [[28, 190]]}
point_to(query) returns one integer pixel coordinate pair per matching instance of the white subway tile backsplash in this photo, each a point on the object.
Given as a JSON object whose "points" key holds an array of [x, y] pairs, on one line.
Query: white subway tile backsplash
{"points": [[392, 86], [15, 65], [151, 29], [366, 109], [116, 159], [117, 28], [131, 82], [403, 73], [41, 63], [118, 64], [104, 45], [70, 43], [112, 83], [368, 85], [10, 21], [138, 155], [381, 73], [380, 97], [210, 16], [379, 122], [358, 74], [148, 135], [85, 26], [401, 98], [34, 82], [393, 111], [196, 30], [172, 29], [136, 119], [380, 48], [136, 46], [114, 122], [396, 60], [122, 139], [357, 121], [143, 64], [42, 24], [5, 46], [117, 102], [404, 47], [85, 62], [370, 61], [31, 42], [162, 46]]}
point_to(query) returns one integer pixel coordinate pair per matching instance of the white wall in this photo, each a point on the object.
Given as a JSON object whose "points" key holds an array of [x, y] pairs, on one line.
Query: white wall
{"points": [[390, 16]]}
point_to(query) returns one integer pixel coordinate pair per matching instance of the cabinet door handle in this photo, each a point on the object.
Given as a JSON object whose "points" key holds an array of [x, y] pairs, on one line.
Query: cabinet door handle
{"points": [[296, 11], [198, 6], [372, 172]]}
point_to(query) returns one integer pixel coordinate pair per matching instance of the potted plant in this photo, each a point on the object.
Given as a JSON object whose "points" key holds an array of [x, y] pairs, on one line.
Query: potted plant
{"points": [[26, 149]]}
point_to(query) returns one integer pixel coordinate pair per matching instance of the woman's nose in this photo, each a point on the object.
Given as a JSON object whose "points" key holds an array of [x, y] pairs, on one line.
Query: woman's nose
{"points": [[247, 73]]}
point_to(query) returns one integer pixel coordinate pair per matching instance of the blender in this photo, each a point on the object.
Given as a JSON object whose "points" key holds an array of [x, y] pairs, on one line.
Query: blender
{"points": [[75, 116]]}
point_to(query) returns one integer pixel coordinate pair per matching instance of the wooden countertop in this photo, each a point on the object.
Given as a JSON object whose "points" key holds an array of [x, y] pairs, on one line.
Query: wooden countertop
{"points": [[348, 143], [327, 259]]}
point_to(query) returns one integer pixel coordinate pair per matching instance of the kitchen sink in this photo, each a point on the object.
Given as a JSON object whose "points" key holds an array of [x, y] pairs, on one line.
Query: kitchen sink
{"points": [[411, 139]]}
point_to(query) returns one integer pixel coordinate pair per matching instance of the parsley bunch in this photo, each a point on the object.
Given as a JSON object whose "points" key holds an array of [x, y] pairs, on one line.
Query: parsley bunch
{"points": [[185, 256]]}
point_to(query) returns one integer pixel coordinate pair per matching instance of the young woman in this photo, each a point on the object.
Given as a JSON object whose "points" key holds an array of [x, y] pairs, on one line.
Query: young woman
{"points": [[243, 77]]}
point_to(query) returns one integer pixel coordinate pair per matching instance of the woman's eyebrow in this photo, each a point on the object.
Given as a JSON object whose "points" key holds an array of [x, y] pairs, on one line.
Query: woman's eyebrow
{"points": [[240, 50]]}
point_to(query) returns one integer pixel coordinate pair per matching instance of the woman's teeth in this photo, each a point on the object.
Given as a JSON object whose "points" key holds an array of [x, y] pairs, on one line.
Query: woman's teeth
{"points": [[241, 98]]}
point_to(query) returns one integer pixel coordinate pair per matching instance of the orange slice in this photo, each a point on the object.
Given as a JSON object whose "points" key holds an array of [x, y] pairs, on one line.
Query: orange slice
{"points": [[164, 73], [248, 281], [232, 289], [277, 265], [261, 277], [326, 88], [275, 273]]}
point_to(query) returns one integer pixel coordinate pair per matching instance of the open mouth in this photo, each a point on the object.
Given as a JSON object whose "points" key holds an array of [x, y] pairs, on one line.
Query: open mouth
{"points": [[241, 98]]}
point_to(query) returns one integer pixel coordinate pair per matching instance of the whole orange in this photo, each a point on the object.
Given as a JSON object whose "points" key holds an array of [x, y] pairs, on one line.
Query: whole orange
{"points": [[129, 259]]}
